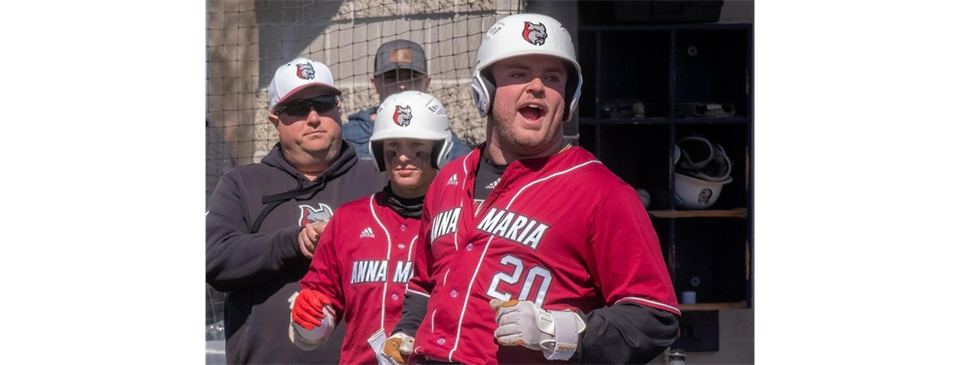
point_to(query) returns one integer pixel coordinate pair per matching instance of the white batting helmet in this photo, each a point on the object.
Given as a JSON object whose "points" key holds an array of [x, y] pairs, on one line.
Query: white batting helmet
{"points": [[702, 168], [412, 114], [524, 34]]}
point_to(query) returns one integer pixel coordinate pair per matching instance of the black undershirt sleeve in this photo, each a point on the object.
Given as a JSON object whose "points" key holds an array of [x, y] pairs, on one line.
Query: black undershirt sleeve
{"points": [[626, 333], [414, 311]]}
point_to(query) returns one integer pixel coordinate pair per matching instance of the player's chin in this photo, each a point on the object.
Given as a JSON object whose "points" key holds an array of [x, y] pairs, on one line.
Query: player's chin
{"points": [[316, 142], [526, 139]]}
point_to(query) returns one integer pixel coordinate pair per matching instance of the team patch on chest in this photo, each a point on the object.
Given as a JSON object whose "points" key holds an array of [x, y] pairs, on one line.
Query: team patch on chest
{"points": [[310, 215]]}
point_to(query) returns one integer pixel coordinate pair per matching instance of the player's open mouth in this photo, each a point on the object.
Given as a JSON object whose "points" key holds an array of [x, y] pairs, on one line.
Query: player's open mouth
{"points": [[531, 111]]}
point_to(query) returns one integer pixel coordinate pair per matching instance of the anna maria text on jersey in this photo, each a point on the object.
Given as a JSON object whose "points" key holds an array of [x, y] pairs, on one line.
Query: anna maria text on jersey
{"points": [[375, 271], [502, 223]]}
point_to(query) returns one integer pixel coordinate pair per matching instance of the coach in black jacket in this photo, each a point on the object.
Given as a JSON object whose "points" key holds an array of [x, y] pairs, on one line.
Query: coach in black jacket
{"points": [[265, 219]]}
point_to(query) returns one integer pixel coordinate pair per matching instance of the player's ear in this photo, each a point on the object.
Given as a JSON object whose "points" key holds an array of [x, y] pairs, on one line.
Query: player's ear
{"points": [[274, 119], [426, 82]]}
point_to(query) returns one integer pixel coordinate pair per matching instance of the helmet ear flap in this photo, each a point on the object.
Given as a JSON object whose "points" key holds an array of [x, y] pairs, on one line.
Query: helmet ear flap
{"points": [[572, 92], [441, 152], [376, 149], [483, 92]]}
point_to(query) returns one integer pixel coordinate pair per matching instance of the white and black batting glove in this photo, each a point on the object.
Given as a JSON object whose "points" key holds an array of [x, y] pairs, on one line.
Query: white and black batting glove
{"points": [[522, 323]]}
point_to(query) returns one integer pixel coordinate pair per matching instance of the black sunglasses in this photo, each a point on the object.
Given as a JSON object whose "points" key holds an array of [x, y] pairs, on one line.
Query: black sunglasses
{"points": [[301, 107]]}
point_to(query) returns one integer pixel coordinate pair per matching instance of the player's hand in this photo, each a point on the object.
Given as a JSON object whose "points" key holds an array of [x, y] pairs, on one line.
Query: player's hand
{"points": [[522, 323], [398, 348], [309, 236], [308, 308], [311, 320]]}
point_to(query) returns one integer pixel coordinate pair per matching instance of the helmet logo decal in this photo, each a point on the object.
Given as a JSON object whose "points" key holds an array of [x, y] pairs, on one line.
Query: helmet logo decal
{"points": [[402, 115], [305, 71], [536, 34], [705, 195], [309, 215]]}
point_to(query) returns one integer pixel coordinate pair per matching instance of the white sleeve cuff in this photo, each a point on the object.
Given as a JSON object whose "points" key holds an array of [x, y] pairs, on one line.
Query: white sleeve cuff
{"points": [[569, 325]]}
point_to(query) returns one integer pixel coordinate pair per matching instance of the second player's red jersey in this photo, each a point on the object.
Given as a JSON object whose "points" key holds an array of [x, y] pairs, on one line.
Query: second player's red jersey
{"points": [[363, 263]]}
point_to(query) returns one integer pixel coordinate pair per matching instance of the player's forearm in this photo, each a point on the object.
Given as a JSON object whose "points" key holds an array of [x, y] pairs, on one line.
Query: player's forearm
{"points": [[414, 311], [626, 333]]}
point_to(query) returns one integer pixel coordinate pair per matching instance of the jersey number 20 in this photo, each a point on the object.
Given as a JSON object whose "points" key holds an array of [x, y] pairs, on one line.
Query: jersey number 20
{"points": [[529, 280]]}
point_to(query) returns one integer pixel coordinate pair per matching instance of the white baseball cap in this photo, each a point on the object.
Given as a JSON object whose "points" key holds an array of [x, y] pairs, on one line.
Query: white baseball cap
{"points": [[298, 75]]}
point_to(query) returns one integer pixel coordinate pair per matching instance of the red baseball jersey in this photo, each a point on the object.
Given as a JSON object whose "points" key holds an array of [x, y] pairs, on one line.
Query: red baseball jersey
{"points": [[363, 263], [561, 231]]}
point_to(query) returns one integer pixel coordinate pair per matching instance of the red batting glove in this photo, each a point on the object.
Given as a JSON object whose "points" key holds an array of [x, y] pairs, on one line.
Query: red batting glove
{"points": [[308, 308]]}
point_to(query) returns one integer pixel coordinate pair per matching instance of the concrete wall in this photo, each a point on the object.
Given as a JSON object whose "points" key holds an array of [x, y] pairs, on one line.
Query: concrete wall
{"points": [[248, 40]]}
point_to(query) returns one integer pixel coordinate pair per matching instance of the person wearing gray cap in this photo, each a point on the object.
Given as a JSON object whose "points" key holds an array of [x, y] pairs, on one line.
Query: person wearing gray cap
{"points": [[399, 65]]}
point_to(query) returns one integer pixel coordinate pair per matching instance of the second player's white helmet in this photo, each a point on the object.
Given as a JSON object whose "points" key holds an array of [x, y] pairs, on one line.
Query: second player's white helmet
{"points": [[412, 114], [523, 34]]}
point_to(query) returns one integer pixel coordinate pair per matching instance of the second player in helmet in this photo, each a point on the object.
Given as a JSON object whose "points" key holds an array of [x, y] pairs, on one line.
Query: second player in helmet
{"points": [[364, 258]]}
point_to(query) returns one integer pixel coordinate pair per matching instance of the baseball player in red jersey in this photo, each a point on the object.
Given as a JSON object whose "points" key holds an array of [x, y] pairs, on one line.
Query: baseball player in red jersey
{"points": [[364, 258], [530, 249]]}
